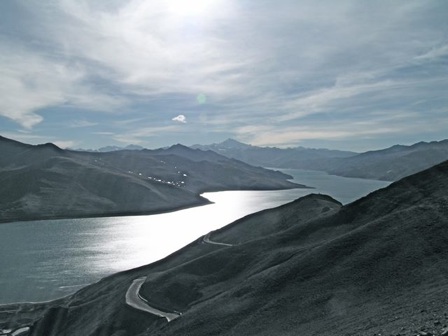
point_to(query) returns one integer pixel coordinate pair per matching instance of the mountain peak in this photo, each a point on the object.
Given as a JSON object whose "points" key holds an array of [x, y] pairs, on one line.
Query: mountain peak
{"points": [[50, 145], [179, 147], [232, 143]]}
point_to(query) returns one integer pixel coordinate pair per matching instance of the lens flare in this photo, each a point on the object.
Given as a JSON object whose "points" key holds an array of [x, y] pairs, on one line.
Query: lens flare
{"points": [[201, 98]]}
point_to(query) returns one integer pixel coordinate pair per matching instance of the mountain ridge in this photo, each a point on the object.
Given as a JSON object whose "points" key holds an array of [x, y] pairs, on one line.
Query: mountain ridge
{"points": [[314, 267], [389, 164], [45, 181]]}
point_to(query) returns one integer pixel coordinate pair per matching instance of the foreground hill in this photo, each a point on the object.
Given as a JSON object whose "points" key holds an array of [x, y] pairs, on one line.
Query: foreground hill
{"points": [[310, 267], [390, 164], [45, 181]]}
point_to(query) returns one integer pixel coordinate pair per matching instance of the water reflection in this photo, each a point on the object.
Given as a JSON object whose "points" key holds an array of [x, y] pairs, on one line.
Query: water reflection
{"points": [[48, 259]]}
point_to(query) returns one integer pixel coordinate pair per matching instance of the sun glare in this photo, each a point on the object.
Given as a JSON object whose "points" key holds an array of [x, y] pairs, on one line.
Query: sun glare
{"points": [[187, 8]]}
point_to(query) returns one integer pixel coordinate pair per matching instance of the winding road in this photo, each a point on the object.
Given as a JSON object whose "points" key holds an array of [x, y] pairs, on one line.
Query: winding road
{"points": [[206, 239], [134, 300]]}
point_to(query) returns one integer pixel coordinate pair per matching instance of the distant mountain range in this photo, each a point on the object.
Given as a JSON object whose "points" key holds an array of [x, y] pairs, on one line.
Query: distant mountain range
{"points": [[297, 157], [45, 181], [109, 149], [310, 267], [389, 164]]}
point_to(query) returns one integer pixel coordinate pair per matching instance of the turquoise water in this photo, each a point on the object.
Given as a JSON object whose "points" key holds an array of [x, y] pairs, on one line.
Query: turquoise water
{"points": [[43, 260]]}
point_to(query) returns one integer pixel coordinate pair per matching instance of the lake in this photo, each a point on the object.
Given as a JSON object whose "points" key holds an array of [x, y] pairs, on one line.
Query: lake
{"points": [[43, 260]]}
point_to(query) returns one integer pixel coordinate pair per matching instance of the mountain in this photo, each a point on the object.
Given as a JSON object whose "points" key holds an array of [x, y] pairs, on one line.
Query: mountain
{"points": [[45, 181], [117, 148], [392, 163], [377, 266], [298, 157], [110, 148]]}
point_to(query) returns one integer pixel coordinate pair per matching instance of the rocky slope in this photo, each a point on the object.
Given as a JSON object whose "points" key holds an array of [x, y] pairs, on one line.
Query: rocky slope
{"points": [[45, 181], [310, 267]]}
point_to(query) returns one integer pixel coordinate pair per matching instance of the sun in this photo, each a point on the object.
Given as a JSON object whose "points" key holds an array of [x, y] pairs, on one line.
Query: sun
{"points": [[191, 8]]}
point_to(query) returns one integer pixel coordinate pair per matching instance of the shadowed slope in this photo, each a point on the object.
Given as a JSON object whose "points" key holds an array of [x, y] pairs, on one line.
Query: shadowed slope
{"points": [[381, 255], [44, 181], [392, 163], [378, 265]]}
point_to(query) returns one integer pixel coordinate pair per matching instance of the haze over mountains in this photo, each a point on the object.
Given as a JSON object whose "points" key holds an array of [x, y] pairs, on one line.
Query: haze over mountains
{"points": [[110, 148], [389, 164], [45, 181], [310, 267]]}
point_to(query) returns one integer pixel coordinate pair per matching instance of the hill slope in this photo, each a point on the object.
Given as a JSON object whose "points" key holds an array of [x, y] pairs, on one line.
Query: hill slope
{"points": [[310, 267], [45, 181], [390, 164]]}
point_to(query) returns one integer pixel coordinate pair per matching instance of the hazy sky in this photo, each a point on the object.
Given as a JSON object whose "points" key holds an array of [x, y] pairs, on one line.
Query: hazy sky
{"points": [[342, 74]]}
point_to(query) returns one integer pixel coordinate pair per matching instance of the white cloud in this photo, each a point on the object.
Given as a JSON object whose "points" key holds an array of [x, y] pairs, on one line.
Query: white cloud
{"points": [[436, 52], [31, 82], [259, 63], [180, 118]]}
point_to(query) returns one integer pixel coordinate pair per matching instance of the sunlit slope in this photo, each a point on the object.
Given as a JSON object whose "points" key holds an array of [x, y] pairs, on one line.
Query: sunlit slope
{"points": [[45, 181]]}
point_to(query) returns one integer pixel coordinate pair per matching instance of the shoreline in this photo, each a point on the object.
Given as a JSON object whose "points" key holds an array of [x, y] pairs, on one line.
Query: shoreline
{"points": [[112, 214], [201, 202]]}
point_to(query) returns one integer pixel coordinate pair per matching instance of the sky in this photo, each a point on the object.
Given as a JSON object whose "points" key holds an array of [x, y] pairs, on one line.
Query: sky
{"points": [[352, 75]]}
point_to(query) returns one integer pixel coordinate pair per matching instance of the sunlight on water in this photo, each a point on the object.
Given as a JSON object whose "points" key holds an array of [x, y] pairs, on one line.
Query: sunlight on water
{"points": [[138, 240], [43, 260]]}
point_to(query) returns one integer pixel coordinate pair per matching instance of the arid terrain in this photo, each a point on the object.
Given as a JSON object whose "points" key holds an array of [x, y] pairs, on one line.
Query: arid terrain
{"points": [[310, 267]]}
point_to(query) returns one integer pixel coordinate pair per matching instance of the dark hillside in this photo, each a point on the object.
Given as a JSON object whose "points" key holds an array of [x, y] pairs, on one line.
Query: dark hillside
{"points": [[311, 267], [392, 163], [44, 181]]}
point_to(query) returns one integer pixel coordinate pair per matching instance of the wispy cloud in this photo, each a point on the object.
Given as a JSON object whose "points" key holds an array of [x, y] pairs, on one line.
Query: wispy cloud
{"points": [[144, 134], [81, 123], [65, 144], [38, 139], [31, 82], [281, 67], [180, 118]]}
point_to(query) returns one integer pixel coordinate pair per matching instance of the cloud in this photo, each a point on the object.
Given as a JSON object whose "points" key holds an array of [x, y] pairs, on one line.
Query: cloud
{"points": [[82, 123], [180, 118], [103, 133], [291, 65], [31, 82], [35, 139], [142, 134], [350, 129], [65, 144]]}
